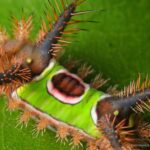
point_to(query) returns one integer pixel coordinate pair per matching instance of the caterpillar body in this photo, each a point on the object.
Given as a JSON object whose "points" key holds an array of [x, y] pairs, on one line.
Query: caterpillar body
{"points": [[37, 83]]}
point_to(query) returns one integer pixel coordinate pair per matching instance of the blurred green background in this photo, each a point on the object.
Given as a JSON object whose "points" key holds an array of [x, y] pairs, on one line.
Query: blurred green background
{"points": [[118, 46]]}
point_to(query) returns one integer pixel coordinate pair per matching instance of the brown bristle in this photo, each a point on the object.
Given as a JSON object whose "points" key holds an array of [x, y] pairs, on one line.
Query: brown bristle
{"points": [[98, 81], [124, 132], [42, 32], [75, 21], [56, 52], [58, 7], [6, 62], [24, 118], [65, 41], [63, 4], [117, 134], [142, 106], [144, 130], [71, 63], [62, 133], [103, 144], [14, 78], [12, 73], [113, 90], [91, 145], [76, 140], [22, 28], [128, 146], [12, 104], [42, 124], [26, 115], [134, 87], [84, 71], [55, 15], [82, 12], [3, 36], [107, 127]]}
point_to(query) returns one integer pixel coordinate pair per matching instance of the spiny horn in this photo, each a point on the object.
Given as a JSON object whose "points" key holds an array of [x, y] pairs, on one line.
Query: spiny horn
{"points": [[45, 49], [126, 101], [123, 105]]}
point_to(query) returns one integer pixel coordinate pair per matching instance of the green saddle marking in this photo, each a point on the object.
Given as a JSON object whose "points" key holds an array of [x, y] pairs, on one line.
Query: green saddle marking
{"points": [[77, 115]]}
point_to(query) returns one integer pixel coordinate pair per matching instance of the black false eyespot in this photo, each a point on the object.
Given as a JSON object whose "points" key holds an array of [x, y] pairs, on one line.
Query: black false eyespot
{"points": [[66, 87]]}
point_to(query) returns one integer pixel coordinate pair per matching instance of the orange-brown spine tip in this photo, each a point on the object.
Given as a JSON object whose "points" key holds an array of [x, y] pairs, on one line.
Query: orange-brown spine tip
{"points": [[3, 36], [117, 133], [62, 133], [22, 28], [98, 81], [144, 130], [12, 104], [109, 131], [13, 77], [85, 71], [76, 140]]}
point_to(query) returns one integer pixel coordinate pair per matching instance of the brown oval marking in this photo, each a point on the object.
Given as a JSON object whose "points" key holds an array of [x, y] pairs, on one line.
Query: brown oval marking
{"points": [[68, 85]]}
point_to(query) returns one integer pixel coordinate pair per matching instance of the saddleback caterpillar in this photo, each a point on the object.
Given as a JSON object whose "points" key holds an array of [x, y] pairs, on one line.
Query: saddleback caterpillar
{"points": [[34, 81]]}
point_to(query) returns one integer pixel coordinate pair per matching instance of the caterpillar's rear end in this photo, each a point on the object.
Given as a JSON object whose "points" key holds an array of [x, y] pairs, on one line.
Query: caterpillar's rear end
{"points": [[42, 88]]}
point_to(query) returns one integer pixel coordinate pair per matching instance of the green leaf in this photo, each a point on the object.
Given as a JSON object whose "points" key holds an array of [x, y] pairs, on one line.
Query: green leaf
{"points": [[118, 46]]}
